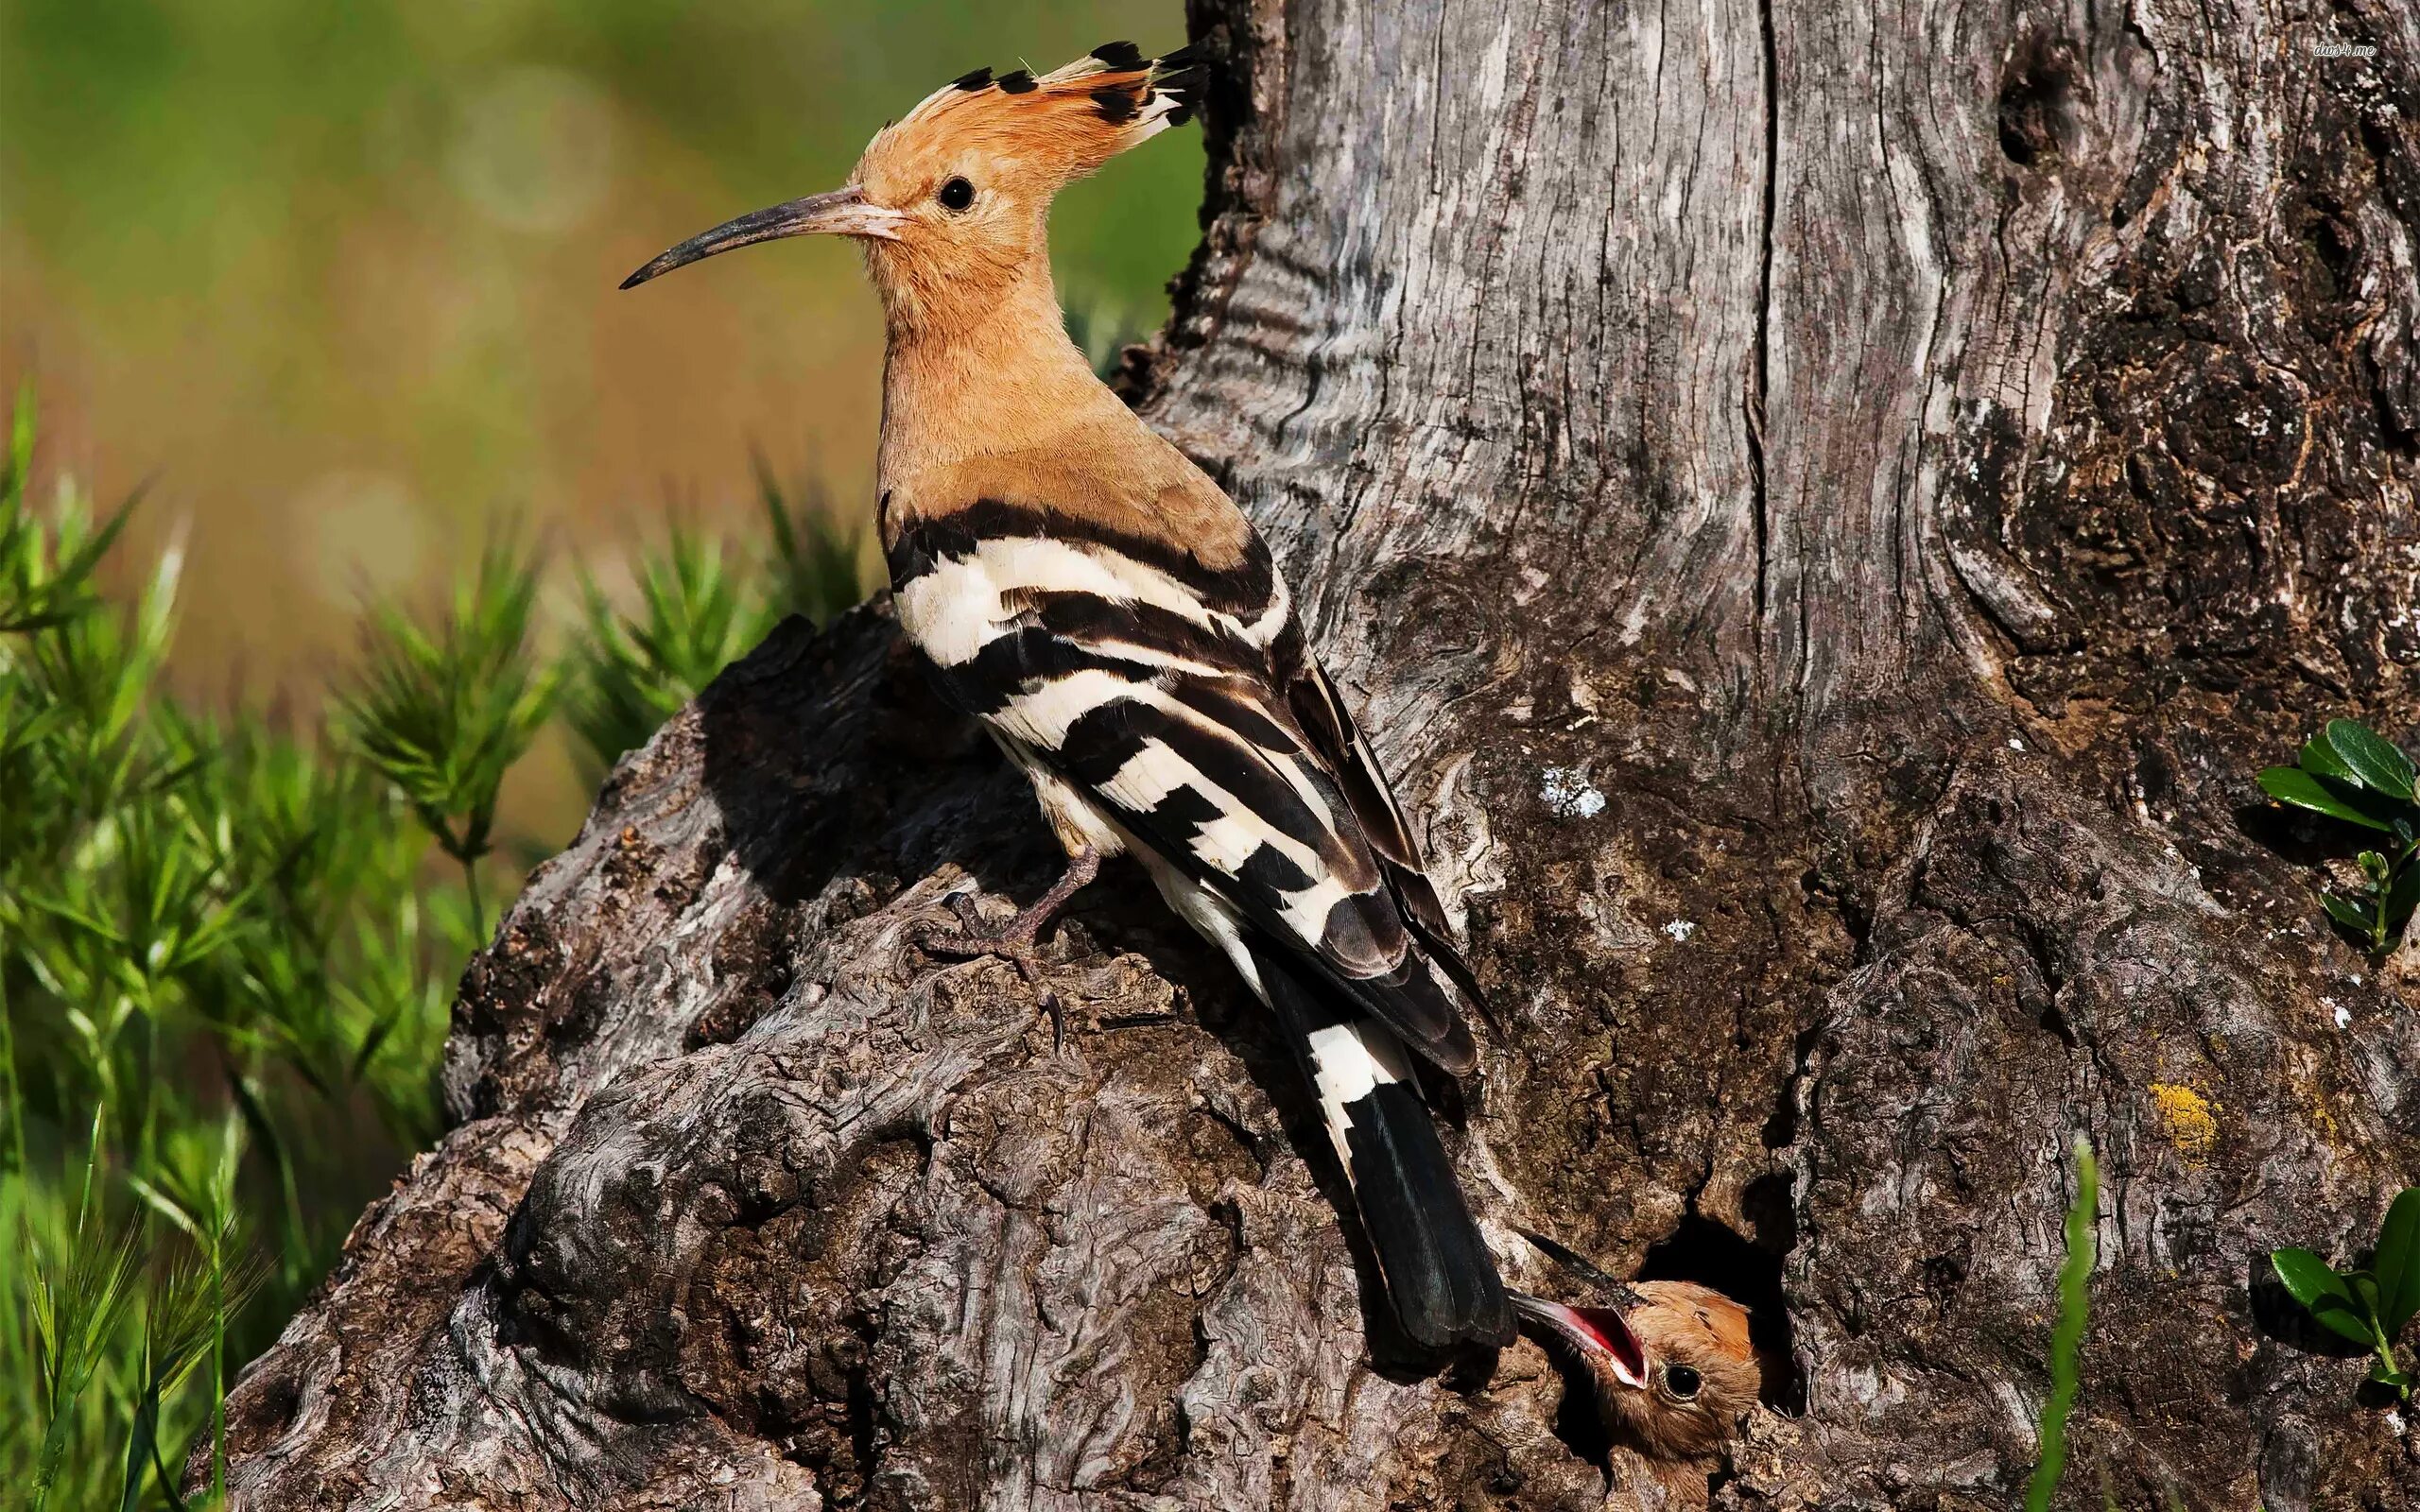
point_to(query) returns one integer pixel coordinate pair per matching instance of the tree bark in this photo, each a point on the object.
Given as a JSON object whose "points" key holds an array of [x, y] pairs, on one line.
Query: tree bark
{"points": [[1824, 507]]}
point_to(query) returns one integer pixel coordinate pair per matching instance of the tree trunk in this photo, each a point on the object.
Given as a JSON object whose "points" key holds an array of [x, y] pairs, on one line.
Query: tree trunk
{"points": [[1824, 507]]}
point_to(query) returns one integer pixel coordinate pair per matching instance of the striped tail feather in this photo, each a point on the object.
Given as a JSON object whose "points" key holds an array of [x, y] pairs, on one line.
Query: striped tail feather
{"points": [[1439, 1275]]}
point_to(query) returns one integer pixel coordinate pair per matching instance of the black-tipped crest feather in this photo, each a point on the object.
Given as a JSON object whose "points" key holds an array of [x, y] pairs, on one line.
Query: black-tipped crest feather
{"points": [[1571, 1259]]}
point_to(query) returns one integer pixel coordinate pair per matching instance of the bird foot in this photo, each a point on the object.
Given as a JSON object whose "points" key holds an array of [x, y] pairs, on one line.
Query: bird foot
{"points": [[1011, 941], [975, 937]]}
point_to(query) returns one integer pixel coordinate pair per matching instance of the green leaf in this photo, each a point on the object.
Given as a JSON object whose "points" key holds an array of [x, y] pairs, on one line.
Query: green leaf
{"points": [[2401, 898], [2397, 1265], [2308, 1277], [2321, 761], [2372, 758], [2345, 1322], [2292, 784], [2351, 915], [2314, 1282], [164, 1205]]}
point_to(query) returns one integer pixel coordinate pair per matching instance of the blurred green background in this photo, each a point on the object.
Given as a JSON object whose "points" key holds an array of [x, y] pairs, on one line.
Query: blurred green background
{"points": [[340, 276]]}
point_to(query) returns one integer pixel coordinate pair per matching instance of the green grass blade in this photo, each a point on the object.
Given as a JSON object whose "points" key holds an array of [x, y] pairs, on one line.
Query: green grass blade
{"points": [[142, 1449], [167, 1477], [263, 1128], [79, 1297], [9, 1087], [2067, 1336]]}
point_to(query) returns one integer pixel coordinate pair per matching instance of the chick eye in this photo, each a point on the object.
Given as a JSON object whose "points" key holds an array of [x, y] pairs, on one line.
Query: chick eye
{"points": [[1682, 1382], [954, 195]]}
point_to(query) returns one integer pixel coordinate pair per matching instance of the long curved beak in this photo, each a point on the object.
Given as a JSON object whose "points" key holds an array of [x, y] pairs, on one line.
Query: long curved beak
{"points": [[841, 212], [1599, 1332]]}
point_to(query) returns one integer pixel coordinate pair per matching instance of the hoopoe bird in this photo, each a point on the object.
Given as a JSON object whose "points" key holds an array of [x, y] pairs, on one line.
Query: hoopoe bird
{"points": [[1084, 590], [1671, 1367]]}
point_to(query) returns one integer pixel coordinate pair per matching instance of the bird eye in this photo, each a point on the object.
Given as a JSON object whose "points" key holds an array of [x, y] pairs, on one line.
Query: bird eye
{"points": [[1682, 1382], [954, 195]]}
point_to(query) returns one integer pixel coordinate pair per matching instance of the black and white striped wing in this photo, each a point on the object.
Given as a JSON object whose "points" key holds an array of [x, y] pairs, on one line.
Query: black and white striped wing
{"points": [[1323, 719], [1151, 685]]}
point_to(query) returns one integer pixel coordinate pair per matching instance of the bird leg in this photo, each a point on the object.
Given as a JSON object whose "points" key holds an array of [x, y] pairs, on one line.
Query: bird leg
{"points": [[1013, 941], [1027, 926]]}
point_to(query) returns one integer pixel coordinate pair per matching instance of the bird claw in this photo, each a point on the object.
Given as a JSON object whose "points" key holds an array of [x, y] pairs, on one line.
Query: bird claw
{"points": [[971, 920], [977, 938], [960, 946]]}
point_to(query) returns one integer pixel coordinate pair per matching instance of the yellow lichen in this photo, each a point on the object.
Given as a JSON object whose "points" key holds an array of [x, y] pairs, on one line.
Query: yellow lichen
{"points": [[2192, 1126]]}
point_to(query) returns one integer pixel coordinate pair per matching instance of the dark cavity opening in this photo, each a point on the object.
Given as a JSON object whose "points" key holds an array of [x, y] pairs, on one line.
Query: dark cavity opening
{"points": [[1748, 1271], [2037, 103]]}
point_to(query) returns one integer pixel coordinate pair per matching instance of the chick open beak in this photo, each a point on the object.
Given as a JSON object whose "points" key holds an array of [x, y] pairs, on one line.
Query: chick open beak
{"points": [[841, 212], [1598, 1332]]}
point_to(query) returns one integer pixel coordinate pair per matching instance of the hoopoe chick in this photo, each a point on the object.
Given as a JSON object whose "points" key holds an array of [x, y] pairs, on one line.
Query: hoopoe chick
{"points": [[1080, 587], [1671, 1365]]}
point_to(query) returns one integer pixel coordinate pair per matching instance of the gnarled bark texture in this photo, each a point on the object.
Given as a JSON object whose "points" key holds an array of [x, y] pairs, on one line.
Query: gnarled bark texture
{"points": [[1825, 506]]}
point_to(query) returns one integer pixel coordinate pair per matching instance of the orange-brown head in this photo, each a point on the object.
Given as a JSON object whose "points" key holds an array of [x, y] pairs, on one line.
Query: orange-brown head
{"points": [[951, 201], [1671, 1365]]}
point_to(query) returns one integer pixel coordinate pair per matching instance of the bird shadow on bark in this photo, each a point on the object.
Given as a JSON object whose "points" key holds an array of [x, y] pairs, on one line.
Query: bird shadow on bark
{"points": [[888, 794]]}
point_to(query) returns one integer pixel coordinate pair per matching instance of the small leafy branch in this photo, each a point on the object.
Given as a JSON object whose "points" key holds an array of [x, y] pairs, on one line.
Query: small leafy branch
{"points": [[442, 715], [698, 609], [2369, 1307], [2357, 776]]}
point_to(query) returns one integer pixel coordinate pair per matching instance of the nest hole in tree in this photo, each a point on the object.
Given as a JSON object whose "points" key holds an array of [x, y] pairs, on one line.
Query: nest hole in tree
{"points": [[1713, 1254], [2038, 100]]}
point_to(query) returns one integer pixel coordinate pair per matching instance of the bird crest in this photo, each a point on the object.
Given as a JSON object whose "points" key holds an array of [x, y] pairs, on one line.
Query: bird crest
{"points": [[1053, 126]]}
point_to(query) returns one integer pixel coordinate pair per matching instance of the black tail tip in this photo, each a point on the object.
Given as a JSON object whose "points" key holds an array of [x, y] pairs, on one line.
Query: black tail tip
{"points": [[1440, 1275], [1121, 56]]}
